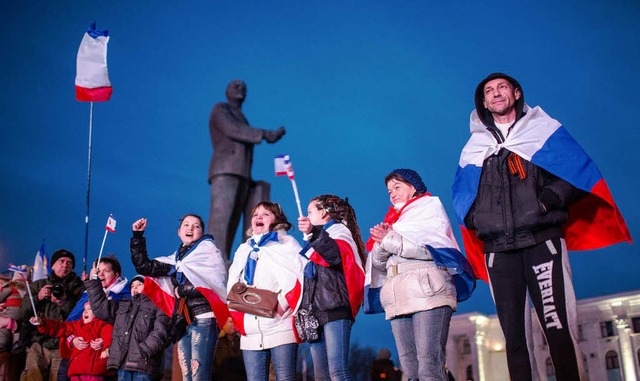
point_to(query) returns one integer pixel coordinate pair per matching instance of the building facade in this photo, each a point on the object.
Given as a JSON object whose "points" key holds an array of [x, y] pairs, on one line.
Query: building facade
{"points": [[609, 338]]}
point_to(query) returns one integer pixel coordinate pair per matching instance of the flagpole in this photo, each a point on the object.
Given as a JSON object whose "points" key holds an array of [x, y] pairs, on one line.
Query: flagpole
{"points": [[86, 219], [102, 246], [295, 192], [33, 305]]}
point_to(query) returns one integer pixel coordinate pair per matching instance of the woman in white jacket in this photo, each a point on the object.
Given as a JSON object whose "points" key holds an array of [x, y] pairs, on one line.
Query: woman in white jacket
{"points": [[269, 260], [418, 296]]}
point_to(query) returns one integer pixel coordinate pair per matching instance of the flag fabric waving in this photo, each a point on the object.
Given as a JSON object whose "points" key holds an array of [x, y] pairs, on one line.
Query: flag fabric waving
{"points": [[92, 76], [283, 166], [21, 271], [594, 221], [40, 264], [111, 224]]}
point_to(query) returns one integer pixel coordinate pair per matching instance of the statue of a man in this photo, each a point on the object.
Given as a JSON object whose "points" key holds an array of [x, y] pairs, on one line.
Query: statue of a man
{"points": [[230, 170]]}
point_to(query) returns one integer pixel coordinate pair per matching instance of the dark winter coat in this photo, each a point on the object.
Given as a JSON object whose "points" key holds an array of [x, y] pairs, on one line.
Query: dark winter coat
{"points": [[139, 330], [196, 302], [73, 288], [328, 287]]}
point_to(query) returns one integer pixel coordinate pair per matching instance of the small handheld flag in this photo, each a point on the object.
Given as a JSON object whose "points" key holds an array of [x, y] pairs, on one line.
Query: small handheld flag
{"points": [[40, 265], [92, 76], [111, 227], [111, 224], [283, 166], [23, 274]]}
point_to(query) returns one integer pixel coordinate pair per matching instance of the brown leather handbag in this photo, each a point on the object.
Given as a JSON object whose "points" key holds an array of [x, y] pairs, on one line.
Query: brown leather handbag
{"points": [[252, 300]]}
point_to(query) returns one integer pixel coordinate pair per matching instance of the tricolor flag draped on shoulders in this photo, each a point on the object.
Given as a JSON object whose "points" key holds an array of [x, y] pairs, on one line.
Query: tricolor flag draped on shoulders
{"points": [[92, 76], [204, 267], [594, 221], [352, 266], [40, 264]]}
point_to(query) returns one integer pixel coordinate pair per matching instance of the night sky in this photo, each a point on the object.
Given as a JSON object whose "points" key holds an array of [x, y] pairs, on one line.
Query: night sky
{"points": [[362, 88]]}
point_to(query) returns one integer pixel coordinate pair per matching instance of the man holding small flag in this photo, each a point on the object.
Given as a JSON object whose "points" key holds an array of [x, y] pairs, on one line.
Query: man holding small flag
{"points": [[53, 297], [525, 193]]}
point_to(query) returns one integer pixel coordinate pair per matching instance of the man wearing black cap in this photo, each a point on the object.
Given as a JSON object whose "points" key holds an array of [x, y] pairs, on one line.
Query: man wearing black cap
{"points": [[518, 213], [54, 298]]}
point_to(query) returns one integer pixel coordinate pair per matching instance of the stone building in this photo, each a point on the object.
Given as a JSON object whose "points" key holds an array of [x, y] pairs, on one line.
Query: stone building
{"points": [[609, 337]]}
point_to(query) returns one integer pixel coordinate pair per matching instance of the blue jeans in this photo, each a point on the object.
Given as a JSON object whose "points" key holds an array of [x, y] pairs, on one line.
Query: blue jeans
{"points": [[284, 363], [126, 375], [197, 348], [421, 339], [330, 354]]}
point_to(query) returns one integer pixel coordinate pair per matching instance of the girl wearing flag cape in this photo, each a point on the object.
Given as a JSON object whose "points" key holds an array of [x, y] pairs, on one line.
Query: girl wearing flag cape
{"points": [[269, 260], [333, 281], [199, 277], [418, 295]]}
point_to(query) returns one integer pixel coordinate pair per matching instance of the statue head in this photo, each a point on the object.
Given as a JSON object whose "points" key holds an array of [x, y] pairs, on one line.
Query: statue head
{"points": [[236, 91]]}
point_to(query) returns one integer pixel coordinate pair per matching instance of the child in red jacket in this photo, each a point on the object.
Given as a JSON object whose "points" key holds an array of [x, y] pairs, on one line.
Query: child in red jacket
{"points": [[90, 352]]}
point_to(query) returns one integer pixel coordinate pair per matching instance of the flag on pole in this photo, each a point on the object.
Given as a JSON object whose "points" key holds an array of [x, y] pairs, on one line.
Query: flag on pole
{"points": [[41, 264], [111, 224], [92, 76], [283, 166], [21, 271]]}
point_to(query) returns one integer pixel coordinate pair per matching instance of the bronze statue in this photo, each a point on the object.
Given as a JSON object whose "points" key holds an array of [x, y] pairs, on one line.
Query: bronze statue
{"points": [[232, 188]]}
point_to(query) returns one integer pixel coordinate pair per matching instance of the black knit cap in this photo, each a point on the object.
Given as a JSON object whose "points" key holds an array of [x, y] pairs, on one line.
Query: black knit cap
{"points": [[485, 115], [139, 278], [412, 178], [63, 253]]}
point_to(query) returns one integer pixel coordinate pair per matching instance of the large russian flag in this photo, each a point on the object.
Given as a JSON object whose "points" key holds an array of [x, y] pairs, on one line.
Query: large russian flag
{"points": [[92, 76], [594, 221]]}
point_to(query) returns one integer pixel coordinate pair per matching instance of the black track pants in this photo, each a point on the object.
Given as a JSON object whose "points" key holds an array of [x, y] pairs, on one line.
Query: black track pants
{"points": [[542, 270]]}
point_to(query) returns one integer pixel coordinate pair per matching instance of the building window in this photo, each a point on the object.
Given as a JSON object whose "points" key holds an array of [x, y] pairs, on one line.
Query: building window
{"points": [[470, 372], [466, 346], [635, 322], [606, 328], [613, 366], [580, 333], [549, 366], [611, 359]]}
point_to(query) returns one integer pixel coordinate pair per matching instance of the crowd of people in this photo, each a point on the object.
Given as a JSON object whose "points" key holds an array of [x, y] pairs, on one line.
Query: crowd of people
{"points": [[515, 209]]}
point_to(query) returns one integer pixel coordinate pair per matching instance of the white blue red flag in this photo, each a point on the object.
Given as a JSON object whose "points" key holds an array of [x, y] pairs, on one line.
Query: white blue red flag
{"points": [[40, 264], [92, 76], [352, 266], [594, 221], [283, 166], [19, 270], [111, 224], [204, 267]]}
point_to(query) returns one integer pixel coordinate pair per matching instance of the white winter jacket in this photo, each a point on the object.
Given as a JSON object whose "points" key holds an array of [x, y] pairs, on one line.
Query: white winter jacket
{"points": [[279, 268], [414, 282]]}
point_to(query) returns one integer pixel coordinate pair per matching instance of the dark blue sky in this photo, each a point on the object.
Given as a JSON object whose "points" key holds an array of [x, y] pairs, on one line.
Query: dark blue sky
{"points": [[361, 88]]}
